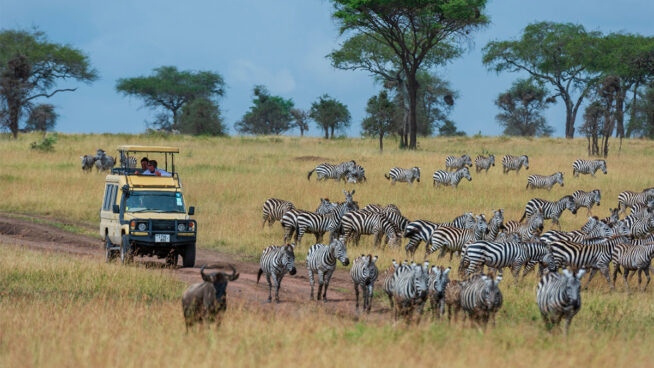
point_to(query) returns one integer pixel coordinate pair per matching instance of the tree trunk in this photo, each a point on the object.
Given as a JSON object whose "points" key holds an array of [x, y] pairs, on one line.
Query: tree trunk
{"points": [[632, 113], [14, 112], [569, 120], [301, 131], [332, 133], [326, 132], [381, 141], [412, 89]]}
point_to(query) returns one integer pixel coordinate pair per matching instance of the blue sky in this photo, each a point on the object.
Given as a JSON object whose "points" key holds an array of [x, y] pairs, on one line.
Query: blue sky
{"points": [[281, 44]]}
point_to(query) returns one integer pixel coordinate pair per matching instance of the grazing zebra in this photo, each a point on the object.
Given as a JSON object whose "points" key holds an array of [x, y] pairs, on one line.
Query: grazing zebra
{"points": [[587, 199], [550, 210], [322, 259], [403, 175], [629, 199], [127, 161], [410, 291], [633, 258], [577, 256], [510, 162], [588, 167], [356, 174], [540, 181], [421, 230], [452, 239], [87, 162], [457, 163], [357, 223], [274, 209], [450, 178], [328, 171], [392, 214], [559, 296], [275, 262], [499, 255], [481, 298], [453, 298], [527, 231], [364, 273], [484, 163], [438, 280], [495, 225]]}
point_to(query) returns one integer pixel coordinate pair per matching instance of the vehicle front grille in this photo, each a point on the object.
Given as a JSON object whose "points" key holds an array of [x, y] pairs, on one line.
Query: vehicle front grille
{"points": [[163, 225]]}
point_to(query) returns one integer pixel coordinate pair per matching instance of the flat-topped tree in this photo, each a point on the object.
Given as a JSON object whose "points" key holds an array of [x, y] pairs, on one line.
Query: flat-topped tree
{"points": [[410, 29]]}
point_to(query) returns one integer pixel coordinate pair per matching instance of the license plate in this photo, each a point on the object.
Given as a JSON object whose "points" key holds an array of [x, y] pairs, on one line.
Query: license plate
{"points": [[162, 238]]}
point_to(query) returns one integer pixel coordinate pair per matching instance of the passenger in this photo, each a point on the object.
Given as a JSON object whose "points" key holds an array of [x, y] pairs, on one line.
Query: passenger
{"points": [[152, 170], [144, 166]]}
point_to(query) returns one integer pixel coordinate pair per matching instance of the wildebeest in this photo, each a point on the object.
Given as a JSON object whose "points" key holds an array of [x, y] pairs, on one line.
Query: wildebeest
{"points": [[87, 162], [104, 162], [208, 299]]}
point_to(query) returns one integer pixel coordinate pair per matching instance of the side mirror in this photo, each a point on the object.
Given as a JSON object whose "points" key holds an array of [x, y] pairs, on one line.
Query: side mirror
{"points": [[191, 211], [116, 208]]}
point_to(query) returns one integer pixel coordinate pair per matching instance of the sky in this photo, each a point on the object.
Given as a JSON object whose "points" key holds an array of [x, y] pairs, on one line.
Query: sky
{"points": [[280, 44]]}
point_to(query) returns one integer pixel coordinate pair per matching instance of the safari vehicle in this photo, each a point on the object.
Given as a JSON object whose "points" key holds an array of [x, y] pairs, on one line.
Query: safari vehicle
{"points": [[145, 215]]}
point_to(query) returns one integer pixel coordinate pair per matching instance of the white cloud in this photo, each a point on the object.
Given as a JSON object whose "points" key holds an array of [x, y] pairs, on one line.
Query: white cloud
{"points": [[248, 73]]}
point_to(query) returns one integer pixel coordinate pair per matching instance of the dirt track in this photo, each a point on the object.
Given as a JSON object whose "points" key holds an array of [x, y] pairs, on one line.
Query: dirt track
{"points": [[294, 291]]}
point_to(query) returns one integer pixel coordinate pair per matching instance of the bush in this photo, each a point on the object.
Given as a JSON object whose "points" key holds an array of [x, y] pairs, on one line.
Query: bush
{"points": [[46, 144]]}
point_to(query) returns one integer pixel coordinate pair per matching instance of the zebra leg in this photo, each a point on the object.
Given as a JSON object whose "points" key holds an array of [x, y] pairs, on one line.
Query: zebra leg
{"points": [[640, 278], [263, 226], [356, 293], [311, 281], [299, 235], [368, 297], [269, 288], [515, 270], [616, 268], [590, 277], [327, 277], [321, 283], [277, 282], [411, 247], [441, 309], [646, 271], [605, 271], [626, 282]]}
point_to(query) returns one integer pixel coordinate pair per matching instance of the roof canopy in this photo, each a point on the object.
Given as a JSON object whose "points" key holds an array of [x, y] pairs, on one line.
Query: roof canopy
{"points": [[160, 149]]}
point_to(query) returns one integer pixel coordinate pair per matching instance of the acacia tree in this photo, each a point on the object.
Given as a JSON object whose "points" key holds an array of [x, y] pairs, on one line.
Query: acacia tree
{"points": [[522, 109], [41, 118], [329, 114], [267, 115], [171, 89], [558, 54], [31, 67], [380, 119], [301, 119], [410, 29]]}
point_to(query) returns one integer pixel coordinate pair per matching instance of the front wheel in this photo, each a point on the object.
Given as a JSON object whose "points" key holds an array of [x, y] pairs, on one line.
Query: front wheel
{"points": [[188, 257], [126, 254], [108, 253]]}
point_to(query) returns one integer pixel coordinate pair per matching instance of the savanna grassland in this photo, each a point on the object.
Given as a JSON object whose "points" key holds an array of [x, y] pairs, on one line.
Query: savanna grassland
{"points": [[58, 311]]}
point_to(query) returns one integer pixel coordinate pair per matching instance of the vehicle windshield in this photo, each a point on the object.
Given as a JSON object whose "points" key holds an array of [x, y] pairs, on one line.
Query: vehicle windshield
{"points": [[146, 201]]}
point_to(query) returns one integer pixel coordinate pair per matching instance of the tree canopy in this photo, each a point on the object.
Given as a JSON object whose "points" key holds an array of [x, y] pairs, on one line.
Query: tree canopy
{"points": [[522, 109], [41, 118], [330, 114], [268, 114], [301, 120], [380, 119], [201, 117]]}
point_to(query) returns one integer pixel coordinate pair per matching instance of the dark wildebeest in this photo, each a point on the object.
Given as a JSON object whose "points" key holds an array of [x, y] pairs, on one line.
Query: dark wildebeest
{"points": [[208, 299]]}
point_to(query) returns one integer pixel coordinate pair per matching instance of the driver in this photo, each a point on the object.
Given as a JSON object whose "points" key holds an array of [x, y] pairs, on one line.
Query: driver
{"points": [[152, 170]]}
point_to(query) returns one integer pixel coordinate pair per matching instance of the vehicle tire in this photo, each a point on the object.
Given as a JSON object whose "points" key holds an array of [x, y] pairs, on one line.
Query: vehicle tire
{"points": [[171, 258], [188, 257], [108, 253], [126, 254]]}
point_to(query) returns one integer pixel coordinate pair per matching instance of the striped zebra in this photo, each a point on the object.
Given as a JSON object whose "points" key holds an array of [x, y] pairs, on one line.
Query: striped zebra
{"points": [[450, 178], [275, 262], [452, 239], [356, 175], [629, 199], [357, 223], [453, 298], [322, 260], [547, 182], [438, 280], [317, 224], [558, 296], [495, 225], [127, 162], [392, 214], [588, 167], [289, 223], [588, 256], [500, 255], [484, 163], [550, 210], [481, 298], [613, 218], [421, 230], [377, 208], [328, 171], [364, 273], [643, 209], [397, 174], [529, 230], [274, 209], [510, 162], [456, 163], [326, 206], [389, 279], [636, 227], [410, 291], [633, 258], [587, 199]]}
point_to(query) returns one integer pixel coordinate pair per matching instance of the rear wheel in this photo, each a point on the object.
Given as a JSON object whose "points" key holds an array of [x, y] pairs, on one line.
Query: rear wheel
{"points": [[126, 254], [188, 258]]}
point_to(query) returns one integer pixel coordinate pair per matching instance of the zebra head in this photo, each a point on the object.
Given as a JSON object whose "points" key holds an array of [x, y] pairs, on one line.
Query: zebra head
{"points": [[497, 221], [536, 221], [603, 166], [288, 258], [467, 160], [337, 247], [416, 173], [348, 196], [589, 225], [325, 206], [421, 279], [468, 220], [438, 280], [481, 227], [559, 177], [615, 215], [601, 230], [548, 261], [100, 153], [525, 161], [492, 159], [465, 173], [569, 204], [369, 265], [490, 293], [573, 285]]}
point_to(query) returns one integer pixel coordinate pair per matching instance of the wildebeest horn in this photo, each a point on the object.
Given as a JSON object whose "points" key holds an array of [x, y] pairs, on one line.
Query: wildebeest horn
{"points": [[234, 274], [205, 277]]}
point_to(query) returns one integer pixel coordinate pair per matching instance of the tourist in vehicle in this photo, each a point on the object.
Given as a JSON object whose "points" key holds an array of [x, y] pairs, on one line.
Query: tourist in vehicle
{"points": [[153, 170]]}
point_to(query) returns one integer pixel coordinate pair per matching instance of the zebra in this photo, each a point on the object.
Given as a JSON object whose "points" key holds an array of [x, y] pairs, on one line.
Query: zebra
{"points": [[392, 214], [588, 167], [322, 259], [389, 208], [629, 199], [290, 218], [403, 175], [289, 223], [274, 209], [275, 262], [637, 227], [389, 279], [613, 218], [633, 258], [643, 208], [481, 298], [326, 206], [529, 230], [364, 273], [550, 210], [128, 162], [421, 230], [104, 162], [540, 181], [587, 199], [457, 163], [326, 171], [87, 162], [357, 223], [410, 291], [510, 162], [317, 224], [558, 296], [453, 298], [576, 255], [356, 174], [450, 178], [495, 225], [452, 239], [438, 280], [499, 255], [484, 163]]}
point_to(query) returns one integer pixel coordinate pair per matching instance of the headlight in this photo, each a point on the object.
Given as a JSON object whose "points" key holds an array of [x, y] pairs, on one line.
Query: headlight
{"points": [[181, 227], [143, 226]]}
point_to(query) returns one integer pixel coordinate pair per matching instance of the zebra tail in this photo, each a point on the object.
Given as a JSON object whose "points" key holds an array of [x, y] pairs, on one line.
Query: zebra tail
{"points": [[387, 177], [309, 175], [259, 275], [523, 216]]}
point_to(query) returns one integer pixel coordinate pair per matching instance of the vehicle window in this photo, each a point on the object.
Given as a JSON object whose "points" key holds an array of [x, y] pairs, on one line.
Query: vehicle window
{"points": [[112, 200], [153, 201], [107, 194]]}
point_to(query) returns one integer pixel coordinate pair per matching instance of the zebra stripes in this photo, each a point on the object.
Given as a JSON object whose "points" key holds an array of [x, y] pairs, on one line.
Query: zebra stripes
{"points": [[544, 182], [438, 280], [452, 239], [410, 290], [389, 279], [636, 226], [495, 225], [274, 209], [500, 255], [397, 174], [587, 199], [128, 162], [558, 296], [588, 167], [360, 222], [481, 298], [275, 262], [356, 174], [422, 230], [633, 258], [629, 199], [550, 210], [322, 260], [457, 163], [589, 256], [510, 163], [289, 223], [364, 273], [450, 178], [317, 224], [484, 163], [328, 171], [527, 231]]}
